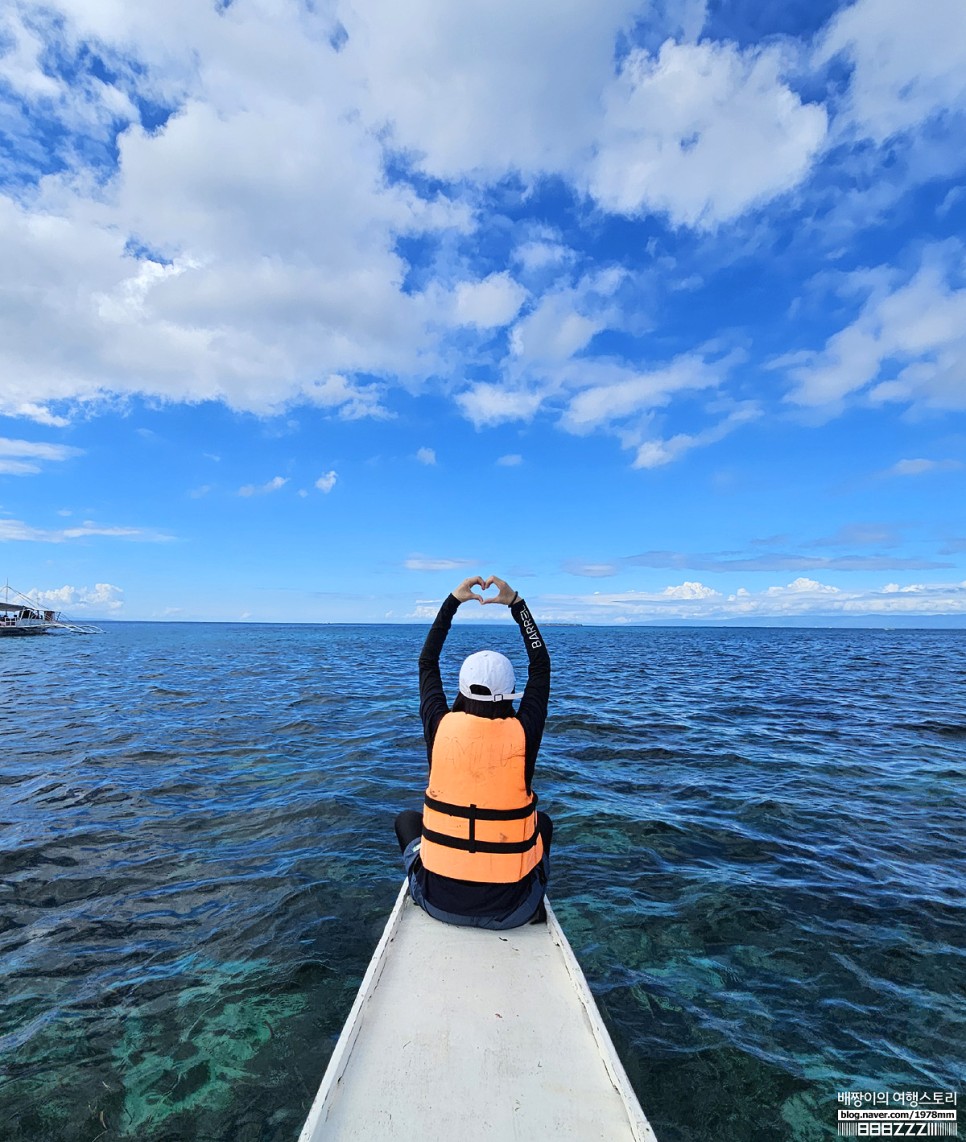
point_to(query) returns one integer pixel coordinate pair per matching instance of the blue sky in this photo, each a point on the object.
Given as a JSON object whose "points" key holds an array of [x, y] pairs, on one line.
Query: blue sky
{"points": [[310, 310]]}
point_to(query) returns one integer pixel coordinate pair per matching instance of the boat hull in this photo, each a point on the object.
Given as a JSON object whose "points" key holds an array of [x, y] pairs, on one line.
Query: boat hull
{"points": [[463, 1034]]}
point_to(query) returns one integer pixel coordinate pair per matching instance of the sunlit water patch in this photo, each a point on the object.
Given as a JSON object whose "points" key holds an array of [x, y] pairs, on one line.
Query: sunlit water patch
{"points": [[758, 861]]}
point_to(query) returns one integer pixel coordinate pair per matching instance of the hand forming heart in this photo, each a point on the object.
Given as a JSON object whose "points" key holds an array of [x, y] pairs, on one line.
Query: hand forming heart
{"points": [[505, 593]]}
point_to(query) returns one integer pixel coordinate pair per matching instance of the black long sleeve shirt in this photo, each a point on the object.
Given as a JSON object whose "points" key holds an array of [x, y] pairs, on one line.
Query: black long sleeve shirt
{"points": [[536, 696], [459, 896]]}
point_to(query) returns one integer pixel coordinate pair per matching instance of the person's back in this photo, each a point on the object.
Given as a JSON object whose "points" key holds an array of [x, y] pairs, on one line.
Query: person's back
{"points": [[478, 854]]}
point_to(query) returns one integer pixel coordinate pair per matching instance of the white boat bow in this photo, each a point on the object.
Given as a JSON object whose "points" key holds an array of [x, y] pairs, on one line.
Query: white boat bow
{"points": [[460, 1034]]}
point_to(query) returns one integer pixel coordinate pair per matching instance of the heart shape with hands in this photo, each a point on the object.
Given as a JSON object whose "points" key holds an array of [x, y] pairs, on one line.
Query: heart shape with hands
{"points": [[492, 598], [505, 594]]}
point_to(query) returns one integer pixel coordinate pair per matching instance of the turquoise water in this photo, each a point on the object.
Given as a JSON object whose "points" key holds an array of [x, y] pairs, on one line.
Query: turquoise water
{"points": [[758, 862]]}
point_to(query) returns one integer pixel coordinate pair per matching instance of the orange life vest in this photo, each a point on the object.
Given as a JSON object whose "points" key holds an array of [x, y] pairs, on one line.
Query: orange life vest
{"points": [[479, 821]]}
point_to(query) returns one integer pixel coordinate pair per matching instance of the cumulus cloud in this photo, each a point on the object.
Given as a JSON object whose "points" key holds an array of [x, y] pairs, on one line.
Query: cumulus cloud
{"points": [[102, 597], [25, 457], [510, 460], [244, 244], [484, 88], [770, 561], [908, 63], [424, 612], [544, 252], [690, 590], [239, 251], [489, 303], [272, 485], [801, 598], [349, 399], [674, 123], [487, 403], [218, 202], [802, 586], [426, 456], [555, 330], [326, 482], [907, 345]]}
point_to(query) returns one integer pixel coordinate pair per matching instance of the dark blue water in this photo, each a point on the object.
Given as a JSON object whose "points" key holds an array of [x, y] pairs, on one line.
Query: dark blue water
{"points": [[758, 861]]}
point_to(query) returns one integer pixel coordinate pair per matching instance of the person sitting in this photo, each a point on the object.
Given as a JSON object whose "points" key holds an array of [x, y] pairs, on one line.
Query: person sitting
{"points": [[479, 853]]}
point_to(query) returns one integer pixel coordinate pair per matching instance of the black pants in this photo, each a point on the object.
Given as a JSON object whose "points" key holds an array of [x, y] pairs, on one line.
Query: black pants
{"points": [[409, 824]]}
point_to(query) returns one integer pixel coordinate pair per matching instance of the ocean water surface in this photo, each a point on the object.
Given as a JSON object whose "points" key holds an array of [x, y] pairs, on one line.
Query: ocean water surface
{"points": [[758, 861]]}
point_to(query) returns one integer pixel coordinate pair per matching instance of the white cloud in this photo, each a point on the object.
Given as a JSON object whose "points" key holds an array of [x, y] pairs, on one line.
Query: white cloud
{"points": [[424, 563], [250, 249], [489, 303], [20, 64], [690, 590], [25, 457], [657, 453], [264, 196], [907, 345], [612, 397], [424, 612], [674, 125], [489, 88], [487, 404], [541, 253], [486, 87], [272, 485], [352, 401], [921, 467], [802, 586], [909, 62], [511, 460], [623, 392], [426, 456], [799, 599], [101, 597], [12, 530], [250, 244], [591, 570], [326, 482], [555, 330]]}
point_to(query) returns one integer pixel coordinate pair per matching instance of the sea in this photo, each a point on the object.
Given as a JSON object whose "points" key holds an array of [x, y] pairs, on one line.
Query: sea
{"points": [[758, 860]]}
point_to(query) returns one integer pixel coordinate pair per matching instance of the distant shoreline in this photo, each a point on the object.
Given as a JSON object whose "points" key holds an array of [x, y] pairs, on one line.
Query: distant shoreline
{"points": [[872, 622]]}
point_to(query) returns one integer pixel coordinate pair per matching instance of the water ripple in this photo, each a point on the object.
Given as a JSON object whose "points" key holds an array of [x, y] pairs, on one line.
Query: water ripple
{"points": [[757, 860]]}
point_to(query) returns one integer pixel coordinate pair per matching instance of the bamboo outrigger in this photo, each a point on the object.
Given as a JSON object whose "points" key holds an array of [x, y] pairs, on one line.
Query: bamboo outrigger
{"points": [[21, 615]]}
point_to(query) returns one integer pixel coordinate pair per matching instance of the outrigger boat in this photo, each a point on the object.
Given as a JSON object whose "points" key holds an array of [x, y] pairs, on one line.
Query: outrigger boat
{"points": [[22, 615], [460, 1034]]}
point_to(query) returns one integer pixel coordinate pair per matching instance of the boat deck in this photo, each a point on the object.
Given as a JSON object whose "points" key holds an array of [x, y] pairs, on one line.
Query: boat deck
{"points": [[462, 1034]]}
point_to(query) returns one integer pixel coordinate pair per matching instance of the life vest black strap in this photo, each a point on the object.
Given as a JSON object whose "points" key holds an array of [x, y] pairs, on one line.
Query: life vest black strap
{"points": [[475, 846], [475, 813]]}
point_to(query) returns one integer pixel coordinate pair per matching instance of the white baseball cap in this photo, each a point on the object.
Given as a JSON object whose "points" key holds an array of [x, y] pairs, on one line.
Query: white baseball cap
{"points": [[491, 670]]}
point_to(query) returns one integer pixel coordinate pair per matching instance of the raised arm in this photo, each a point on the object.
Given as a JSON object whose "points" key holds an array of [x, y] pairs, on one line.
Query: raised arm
{"points": [[532, 711], [432, 698]]}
